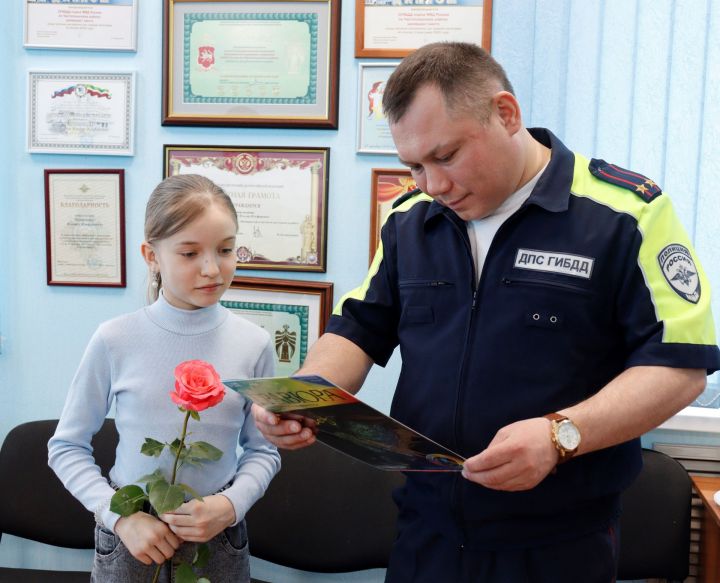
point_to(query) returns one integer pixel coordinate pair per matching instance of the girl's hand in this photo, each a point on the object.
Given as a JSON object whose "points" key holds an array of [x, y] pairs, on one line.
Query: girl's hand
{"points": [[200, 521], [148, 539]]}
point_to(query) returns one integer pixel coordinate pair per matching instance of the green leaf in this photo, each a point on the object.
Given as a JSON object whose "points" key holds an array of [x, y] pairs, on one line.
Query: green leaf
{"points": [[149, 478], [201, 450], [165, 498], [190, 491], [162, 482], [175, 446], [185, 574], [152, 447], [128, 500], [194, 414], [202, 556]]}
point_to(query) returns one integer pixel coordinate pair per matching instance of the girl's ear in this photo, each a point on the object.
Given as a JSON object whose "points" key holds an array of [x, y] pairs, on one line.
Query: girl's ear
{"points": [[148, 254]]}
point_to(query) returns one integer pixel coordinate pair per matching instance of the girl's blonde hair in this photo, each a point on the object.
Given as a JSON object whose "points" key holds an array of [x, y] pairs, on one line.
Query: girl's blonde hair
{"points": [[176, 202]]}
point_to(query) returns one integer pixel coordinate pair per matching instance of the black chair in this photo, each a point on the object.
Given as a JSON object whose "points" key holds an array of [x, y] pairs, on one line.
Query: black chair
{"points": [[344, 517], [35, 505], [655, 523], [325, 512]]}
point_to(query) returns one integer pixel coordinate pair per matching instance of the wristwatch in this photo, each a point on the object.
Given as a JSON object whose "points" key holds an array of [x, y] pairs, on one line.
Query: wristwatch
{"points": [[565, 435]]}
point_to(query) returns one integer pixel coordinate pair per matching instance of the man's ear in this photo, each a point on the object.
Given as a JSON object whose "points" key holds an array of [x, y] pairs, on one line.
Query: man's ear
{"points": [[508, 110], [148, 254]]}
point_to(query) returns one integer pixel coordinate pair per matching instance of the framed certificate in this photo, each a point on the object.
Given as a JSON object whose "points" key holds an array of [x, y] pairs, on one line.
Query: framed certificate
{"points": [[392, 29], [110, 25], [280, 195], [85, 227], [373, 131], [388, 185], [294, 312], [81, 113], [244, 63]]}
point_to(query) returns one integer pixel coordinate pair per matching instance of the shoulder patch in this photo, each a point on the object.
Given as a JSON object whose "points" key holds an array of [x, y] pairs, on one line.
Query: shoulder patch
{"points": [[406, 196], [680, 271], [641, 185]]}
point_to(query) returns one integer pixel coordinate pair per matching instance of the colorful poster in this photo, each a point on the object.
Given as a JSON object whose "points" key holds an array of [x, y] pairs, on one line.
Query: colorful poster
{"points": [[343, 422]]}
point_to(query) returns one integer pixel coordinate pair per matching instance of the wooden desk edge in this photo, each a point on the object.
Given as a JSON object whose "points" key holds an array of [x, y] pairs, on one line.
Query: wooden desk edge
{"points": [[706, 487]]}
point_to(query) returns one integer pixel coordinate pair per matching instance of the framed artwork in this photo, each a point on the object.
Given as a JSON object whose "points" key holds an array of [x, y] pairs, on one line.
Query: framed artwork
{"points": [[294, 312], [280, 195], [392, 29], [373, 135], [81, 113], [388, 184], [244, 63], [110, 25], [85, 227]]}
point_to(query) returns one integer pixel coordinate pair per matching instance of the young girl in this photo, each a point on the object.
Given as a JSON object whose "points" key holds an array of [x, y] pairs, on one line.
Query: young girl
{"points": [[190, 226]]}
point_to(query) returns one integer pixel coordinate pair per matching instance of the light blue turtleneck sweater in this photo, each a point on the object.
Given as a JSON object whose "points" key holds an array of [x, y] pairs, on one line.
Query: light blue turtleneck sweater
{"points": [[131, 360]]}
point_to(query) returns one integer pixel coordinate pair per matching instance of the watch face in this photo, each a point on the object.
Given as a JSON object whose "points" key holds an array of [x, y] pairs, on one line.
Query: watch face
{"points": [[568, 435]]}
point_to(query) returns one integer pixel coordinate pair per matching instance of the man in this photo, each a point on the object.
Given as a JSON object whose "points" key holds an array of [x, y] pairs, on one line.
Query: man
{"points": [[549, 310]]}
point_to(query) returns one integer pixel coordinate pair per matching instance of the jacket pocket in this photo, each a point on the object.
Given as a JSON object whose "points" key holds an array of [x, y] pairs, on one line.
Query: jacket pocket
{"points": [[548, 284], [550, 303], [418, 298], [418, 315]]}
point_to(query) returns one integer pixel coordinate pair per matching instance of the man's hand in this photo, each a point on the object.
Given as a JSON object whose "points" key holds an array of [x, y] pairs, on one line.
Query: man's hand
{"points": [[333, 357], [148, 539], [518, 458], [283, 433], [198, 521]]}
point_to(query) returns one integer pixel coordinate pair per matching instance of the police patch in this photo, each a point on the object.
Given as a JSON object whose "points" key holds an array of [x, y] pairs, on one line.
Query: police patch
{"points": [[680, 272], [554, 262]]}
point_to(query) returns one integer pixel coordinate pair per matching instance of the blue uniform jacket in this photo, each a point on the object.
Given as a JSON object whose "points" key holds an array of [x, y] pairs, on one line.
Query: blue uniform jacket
{"points": [[573, 291]]}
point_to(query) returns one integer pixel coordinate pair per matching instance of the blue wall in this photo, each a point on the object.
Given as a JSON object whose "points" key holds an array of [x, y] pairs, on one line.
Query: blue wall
{"points": [[631, 81]]}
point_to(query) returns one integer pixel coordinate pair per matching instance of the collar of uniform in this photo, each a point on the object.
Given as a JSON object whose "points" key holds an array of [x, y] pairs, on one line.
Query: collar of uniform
{"points": [[435, 209], [552, 192]]}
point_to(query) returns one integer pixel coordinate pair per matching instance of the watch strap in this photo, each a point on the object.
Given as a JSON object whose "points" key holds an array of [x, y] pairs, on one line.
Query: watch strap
{"points": [[555, 420], [555, 417]]}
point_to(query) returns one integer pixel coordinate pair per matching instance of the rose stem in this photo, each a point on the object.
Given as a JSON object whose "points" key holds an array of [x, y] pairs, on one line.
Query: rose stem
{"points": [[172, 480]]}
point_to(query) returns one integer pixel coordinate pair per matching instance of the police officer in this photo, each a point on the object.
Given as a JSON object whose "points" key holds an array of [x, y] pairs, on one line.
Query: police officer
{"points": [[549, 310]]}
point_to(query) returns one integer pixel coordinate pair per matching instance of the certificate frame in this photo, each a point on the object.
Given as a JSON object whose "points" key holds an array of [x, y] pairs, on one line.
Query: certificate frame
{"points": [[387, 185], [211, 78], [283, 225], [373, 132], [89, 249], [69, 25], [304, 306], [363, 48], [73, 112]]}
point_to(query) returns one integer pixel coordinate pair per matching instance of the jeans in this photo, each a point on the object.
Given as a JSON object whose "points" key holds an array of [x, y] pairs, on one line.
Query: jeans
{"points": [[229, 559]]}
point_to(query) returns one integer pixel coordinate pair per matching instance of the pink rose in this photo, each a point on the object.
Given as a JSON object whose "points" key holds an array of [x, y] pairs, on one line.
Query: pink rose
{"points": [[197, 386]]}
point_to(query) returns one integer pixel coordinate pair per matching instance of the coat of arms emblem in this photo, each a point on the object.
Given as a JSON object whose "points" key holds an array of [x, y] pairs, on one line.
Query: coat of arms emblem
{"points": [[680, 272], [206, 56]]}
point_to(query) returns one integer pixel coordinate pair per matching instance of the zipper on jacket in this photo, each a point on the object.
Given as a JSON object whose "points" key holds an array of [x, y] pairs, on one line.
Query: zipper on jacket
{"points": [[456, 506], [456, 502], [424, 283]]}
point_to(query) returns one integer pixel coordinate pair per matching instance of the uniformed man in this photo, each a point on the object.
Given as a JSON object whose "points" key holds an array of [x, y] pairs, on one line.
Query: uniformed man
{"points": [[549, 310]]}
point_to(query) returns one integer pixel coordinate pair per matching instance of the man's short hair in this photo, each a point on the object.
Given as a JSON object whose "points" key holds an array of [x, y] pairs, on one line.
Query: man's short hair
{"points": [[466, 75]]}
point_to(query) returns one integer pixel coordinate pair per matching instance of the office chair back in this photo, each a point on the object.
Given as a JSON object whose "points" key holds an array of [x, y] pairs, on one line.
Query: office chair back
{"points": [[325, 512], [33, 502], [655, 523]]}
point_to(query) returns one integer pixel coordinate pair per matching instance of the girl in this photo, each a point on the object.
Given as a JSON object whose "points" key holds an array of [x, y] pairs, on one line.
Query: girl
{"points": [[190, 226]]}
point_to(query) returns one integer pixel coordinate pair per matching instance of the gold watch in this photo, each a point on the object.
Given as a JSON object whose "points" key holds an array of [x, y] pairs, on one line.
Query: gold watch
{"points": [[565, 435]]}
